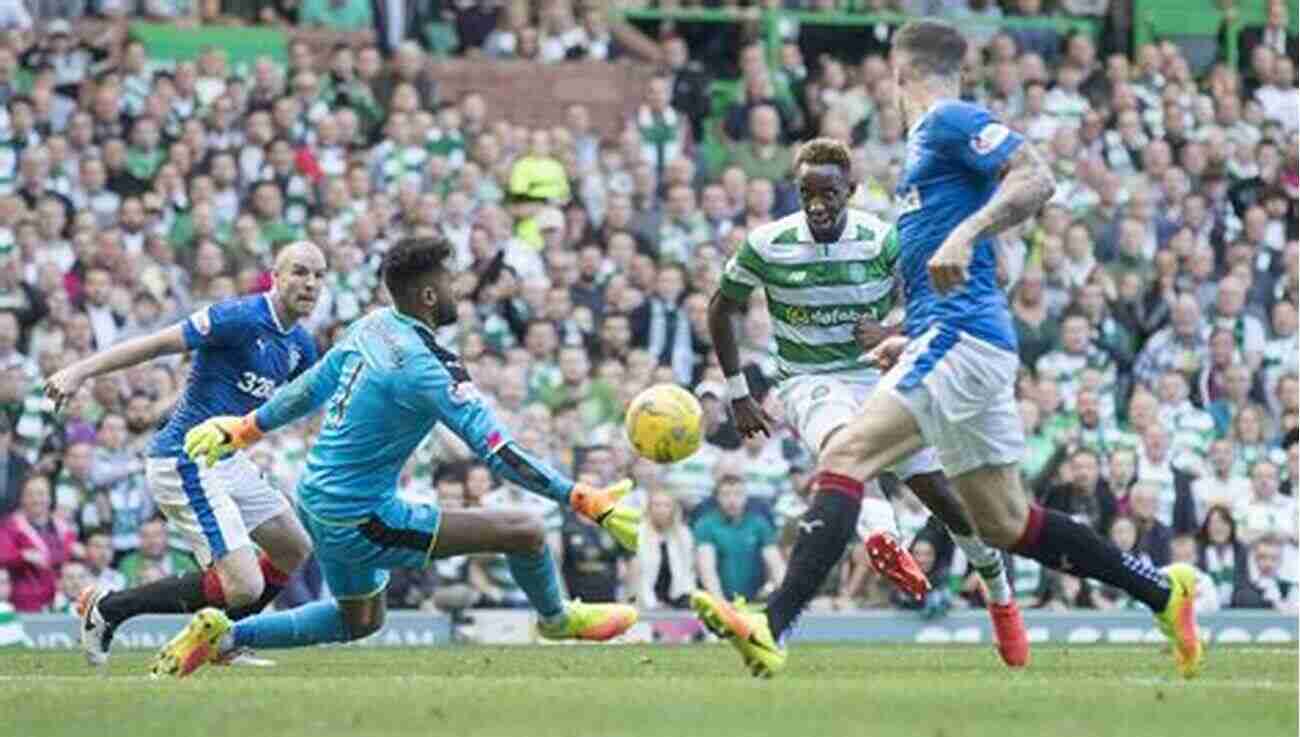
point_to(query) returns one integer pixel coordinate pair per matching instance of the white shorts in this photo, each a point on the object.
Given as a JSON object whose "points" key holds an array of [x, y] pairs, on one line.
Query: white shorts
{"points": [[961, 390], [214, 508], [816, 404]]}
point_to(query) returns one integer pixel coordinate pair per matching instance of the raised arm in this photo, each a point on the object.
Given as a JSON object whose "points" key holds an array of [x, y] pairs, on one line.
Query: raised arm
{"points": [[305, 394], [62, 385], [458, 406], [740, 277], [216, 437]]}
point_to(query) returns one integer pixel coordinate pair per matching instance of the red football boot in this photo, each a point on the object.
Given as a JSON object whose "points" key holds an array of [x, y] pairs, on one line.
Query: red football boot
{"points": [[892, 561], [1009, 631]]}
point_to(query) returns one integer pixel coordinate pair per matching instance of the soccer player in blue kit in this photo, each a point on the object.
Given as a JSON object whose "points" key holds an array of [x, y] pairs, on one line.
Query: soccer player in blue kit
{"points": [[951, 375], [384, 386], [243, 349]]}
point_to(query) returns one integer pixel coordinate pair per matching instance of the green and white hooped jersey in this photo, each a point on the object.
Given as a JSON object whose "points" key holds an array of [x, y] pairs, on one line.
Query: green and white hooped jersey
{"points": [[817, 291]]}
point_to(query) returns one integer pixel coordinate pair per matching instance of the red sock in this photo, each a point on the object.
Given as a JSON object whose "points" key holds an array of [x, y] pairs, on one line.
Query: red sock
{"points": [[839, 484], [212, 591], [1033, 529], [270, 574]]}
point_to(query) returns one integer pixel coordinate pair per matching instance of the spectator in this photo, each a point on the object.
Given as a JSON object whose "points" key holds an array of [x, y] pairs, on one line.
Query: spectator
{"points": [[33, 545], [154, 557], [1273, 35], [1035, 331], [1221, 555], [737, 553], [1153, 535], [13, 471], [1183, 550], [73, 579], [1160, 468], [1077, 352], [99, 561], [1268, 514], [1178, 347], [762, 155], [666, 556], [1085, 496], [1221, 486], [592, 563], [1265, 586], [1045, 42]]}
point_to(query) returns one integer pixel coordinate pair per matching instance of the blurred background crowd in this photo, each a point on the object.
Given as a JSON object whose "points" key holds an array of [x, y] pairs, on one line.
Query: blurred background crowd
{"points": [[1155, 296]]}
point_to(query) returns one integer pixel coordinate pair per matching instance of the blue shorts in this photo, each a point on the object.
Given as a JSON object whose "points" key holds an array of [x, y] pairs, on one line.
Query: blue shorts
{"points": [[356, 555]]}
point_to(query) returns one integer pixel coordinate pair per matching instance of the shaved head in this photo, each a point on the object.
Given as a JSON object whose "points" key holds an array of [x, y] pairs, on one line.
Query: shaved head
{"points": [[299, 274], [299, 251]]}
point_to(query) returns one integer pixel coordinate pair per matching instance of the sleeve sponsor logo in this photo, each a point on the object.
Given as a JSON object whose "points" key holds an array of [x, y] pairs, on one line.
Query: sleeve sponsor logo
{"points": [[202, 321], [989, 137]]}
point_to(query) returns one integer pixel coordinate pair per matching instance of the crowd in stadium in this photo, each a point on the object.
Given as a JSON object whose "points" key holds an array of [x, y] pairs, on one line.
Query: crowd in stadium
{"points": [[1154, 298]]}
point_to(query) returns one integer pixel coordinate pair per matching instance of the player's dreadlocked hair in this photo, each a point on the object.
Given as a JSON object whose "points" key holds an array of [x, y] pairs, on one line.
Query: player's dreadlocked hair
{"points": [[934, 48], [412, 258], [824, 151]]}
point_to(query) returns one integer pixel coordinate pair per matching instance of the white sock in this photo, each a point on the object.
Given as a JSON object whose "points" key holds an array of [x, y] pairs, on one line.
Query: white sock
{"points": [[988, 562], [877, 516]]}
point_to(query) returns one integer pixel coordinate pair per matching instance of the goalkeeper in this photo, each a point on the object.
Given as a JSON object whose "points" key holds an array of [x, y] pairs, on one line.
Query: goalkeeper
{"points": [[385, 385]]}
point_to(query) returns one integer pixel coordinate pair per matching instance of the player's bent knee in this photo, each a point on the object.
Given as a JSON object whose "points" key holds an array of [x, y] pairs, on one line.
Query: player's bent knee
{"points": [[242, 589], [1001, 530]]}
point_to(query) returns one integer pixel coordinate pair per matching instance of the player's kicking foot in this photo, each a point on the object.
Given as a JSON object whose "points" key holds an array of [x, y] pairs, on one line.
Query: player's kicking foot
{"points": [[596, 622], [1178, 620], [96, 634], [1009, 631], [601, 506], [194, 647], [892, 561], [745, 628]]}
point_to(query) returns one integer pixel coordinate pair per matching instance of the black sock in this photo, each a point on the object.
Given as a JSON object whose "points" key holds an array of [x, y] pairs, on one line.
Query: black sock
{"points": [[171, 595], [1062, 544], [825, 529], [269, 592]]}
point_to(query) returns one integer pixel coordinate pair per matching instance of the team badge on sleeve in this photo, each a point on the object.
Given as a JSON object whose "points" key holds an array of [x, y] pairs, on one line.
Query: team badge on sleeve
{"points": [[989, 137], [202, 321]]}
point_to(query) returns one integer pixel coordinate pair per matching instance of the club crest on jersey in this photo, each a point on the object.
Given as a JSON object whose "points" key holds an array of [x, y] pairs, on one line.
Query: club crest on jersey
{"points": [[910, 202], [989, 137], [295, 358]]}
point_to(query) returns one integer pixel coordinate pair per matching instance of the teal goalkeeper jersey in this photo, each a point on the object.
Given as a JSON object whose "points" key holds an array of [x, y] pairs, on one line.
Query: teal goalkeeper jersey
{"points": [[384, 387]]}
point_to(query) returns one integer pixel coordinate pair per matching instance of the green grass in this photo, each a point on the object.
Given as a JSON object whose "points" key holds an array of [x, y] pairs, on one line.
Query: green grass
{"points": [[682, 691]]}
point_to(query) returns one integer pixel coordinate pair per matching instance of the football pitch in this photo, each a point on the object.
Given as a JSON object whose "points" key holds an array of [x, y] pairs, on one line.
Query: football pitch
{"points": [[682, 691]]}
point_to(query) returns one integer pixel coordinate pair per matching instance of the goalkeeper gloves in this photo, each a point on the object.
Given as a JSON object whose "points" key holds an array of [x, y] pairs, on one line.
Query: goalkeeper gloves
{"points": [[601, 506], [218, 437]]}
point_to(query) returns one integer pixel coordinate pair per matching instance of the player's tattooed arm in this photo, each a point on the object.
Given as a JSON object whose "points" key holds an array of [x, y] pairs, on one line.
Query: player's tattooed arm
{"points": [[1027, 184]]}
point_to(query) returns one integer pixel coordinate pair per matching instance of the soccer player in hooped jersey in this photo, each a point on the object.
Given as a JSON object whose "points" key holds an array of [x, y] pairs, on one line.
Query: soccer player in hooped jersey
{"points": [[951, 375], [825, 269], [384, 386], [243, 349]]}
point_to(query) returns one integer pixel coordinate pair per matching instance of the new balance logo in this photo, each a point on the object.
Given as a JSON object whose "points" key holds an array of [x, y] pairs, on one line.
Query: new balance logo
{"points": [[810, 525], [798, 277]]}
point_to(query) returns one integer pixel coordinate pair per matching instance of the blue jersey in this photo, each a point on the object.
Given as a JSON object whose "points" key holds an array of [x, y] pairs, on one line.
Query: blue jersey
{"points": [[241, 354], [954, 157], [384, 386]]}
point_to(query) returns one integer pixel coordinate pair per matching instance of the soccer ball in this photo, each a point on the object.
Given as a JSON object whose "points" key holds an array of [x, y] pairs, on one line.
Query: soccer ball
{"points": [[663, 423]]}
